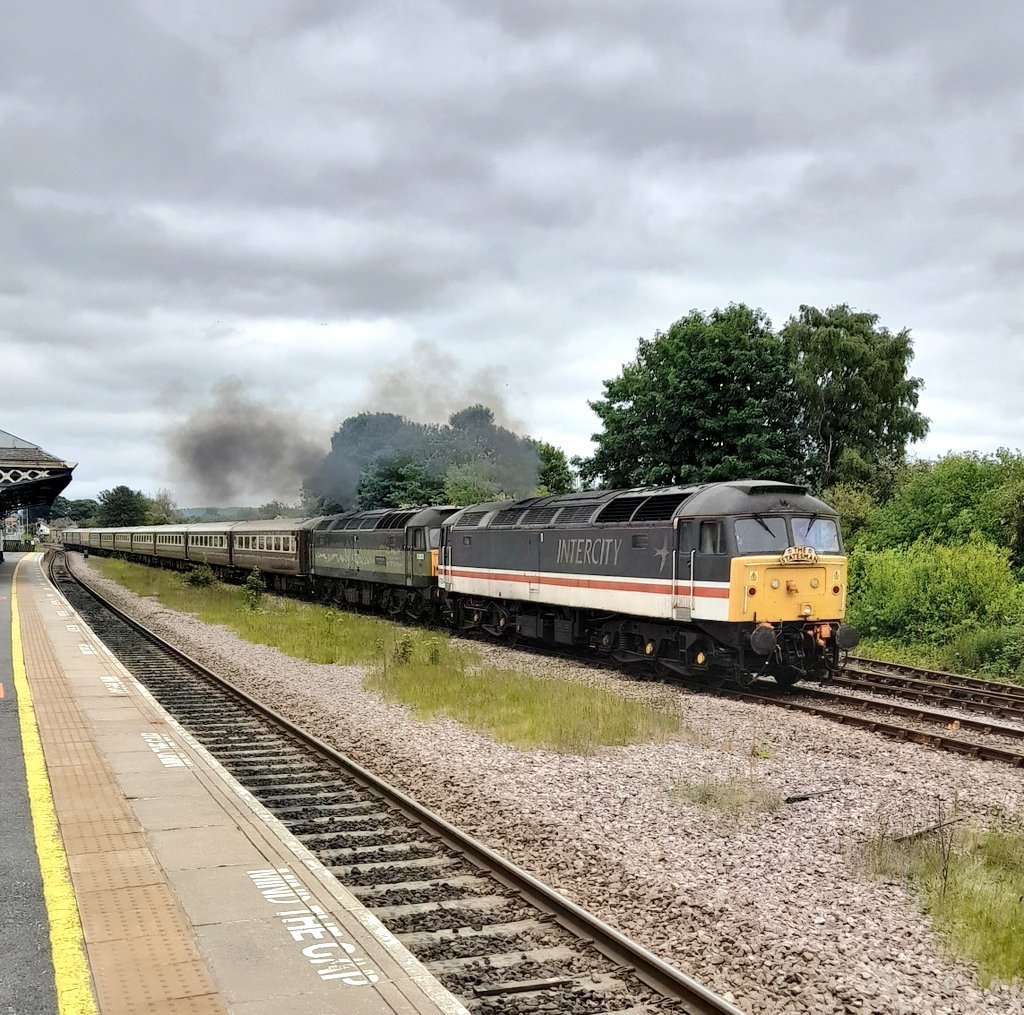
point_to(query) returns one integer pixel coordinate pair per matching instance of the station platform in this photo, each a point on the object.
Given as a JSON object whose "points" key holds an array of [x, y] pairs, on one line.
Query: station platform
{"points": [[139, 877]]}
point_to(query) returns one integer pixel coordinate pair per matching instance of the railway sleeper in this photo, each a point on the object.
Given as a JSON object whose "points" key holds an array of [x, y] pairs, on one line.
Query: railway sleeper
{"points": [[473, 904], [464, 881]]}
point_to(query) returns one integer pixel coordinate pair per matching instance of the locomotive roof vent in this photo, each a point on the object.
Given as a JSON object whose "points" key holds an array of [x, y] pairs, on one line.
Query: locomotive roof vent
{"points": [[754, 488]]}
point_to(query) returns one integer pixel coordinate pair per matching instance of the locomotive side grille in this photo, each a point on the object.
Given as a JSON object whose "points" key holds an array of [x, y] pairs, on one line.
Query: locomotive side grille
{"points": [[470, 519], [660, 508], [539, 516], [507, 518], [579, 513], [620, 510]]}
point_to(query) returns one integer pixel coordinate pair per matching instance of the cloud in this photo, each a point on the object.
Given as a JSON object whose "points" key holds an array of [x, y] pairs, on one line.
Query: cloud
{"points": [[395, 205]]}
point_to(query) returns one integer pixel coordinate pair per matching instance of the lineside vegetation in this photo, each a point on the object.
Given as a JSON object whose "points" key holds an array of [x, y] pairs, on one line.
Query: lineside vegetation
{"points": [[971, 884], [426, 671]]}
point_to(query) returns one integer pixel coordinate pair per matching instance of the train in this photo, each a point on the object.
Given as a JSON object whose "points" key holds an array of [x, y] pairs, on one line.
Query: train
{"points": [[723, 582]]}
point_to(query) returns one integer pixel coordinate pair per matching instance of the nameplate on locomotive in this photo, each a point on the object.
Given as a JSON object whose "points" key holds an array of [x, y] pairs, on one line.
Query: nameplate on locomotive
{"points": [[799, 555]]}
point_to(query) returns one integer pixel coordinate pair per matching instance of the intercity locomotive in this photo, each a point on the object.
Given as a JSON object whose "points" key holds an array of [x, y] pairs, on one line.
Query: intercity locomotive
{"points": [[723, 581]]}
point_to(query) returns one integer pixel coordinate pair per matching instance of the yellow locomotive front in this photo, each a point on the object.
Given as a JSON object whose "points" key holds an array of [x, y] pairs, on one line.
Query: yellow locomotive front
{"points": [[787, 587]]}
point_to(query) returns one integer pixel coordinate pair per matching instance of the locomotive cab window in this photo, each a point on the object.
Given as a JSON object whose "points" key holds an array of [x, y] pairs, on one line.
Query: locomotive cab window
{"points": [[711, 537], [761, 534], [434, 538], [821, 534], [419, 539]]}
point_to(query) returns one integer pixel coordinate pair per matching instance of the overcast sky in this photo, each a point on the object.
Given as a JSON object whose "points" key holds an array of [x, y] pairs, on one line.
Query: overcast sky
{"points": [[323, 206]]}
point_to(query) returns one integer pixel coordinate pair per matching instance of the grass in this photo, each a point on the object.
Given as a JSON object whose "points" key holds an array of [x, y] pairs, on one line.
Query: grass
{"points": [[972, 886], [956, 657], [300, 630], [735, 797], [419, 668], [435, 677]]}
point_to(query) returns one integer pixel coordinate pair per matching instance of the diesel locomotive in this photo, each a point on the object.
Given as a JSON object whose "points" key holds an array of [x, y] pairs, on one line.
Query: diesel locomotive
{"points": [[724, 581]]}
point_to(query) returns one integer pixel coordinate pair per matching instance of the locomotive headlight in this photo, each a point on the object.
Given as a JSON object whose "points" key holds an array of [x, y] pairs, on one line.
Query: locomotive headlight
{"points": [[775, 583], [806, 609], [814, 583]]}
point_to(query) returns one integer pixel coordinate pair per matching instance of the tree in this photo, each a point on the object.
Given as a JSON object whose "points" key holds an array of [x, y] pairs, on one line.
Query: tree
{"points": [[60, 508], [78, 510], [380, 459], [472, 483], [556, 476], [161, 509], [121, 506], [710, 399], [398, 481], [858, 406]]}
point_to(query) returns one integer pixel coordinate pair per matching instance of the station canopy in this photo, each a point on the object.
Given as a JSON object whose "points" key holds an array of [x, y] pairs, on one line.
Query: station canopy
{"points": [[29, 476]]}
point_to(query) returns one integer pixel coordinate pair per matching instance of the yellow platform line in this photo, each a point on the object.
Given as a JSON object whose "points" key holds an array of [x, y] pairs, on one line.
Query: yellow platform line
{"points": [[70, 966]]}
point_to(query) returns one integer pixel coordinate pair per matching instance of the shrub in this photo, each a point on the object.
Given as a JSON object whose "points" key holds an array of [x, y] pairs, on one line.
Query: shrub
{"points": [[201, 576], [996, 651], [931, 593], [255, 586]]}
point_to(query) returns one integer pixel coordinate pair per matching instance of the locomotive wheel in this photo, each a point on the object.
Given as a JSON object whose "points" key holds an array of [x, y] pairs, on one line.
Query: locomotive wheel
{"points": [[787, 678]]}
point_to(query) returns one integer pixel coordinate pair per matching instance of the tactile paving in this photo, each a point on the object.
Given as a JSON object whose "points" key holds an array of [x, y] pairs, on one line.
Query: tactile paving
{"points": [[140, 947]]}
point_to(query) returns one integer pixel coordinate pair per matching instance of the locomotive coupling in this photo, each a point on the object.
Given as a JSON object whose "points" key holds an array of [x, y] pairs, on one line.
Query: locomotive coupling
{"points": [[763, 639]]}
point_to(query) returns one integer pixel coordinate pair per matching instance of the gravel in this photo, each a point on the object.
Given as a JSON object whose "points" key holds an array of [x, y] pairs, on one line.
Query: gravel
{"points": [[773, 910]]}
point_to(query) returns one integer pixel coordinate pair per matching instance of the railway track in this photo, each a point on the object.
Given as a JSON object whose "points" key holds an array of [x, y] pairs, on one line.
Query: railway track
{"points": [[936, 687], [933, 730], [500, 940]]}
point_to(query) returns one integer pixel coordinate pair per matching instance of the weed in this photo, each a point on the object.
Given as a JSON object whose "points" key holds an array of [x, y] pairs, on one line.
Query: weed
{"points": [[970, 882], [734, 797]]}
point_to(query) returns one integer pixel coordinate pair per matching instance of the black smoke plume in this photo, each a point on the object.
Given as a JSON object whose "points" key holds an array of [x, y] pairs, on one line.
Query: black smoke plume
{"points": [[238, 450]]}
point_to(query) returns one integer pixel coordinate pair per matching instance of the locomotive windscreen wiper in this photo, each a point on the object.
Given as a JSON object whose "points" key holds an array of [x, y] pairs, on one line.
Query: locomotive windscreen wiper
{"points": [[764, 525]]}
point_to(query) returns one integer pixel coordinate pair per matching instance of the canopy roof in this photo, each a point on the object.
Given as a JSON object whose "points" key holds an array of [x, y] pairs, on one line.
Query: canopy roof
{"points": [[29, 476]]}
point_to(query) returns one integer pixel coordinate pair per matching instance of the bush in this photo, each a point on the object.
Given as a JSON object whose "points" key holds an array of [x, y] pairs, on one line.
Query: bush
{"points": [[930, 593], [201, 576], [255, 586], [997, 652]]}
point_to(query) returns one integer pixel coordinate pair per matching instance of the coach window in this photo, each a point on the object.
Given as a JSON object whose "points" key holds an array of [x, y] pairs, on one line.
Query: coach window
{"points": [[277, 542], [711, 537]]}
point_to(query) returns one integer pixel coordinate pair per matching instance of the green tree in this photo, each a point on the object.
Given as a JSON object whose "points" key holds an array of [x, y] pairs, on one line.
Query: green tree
{"points": [[161, 509], [121, 506], [77, 510], [710, 399], [855, 503], [398, 481], [556, 475], [472, 483], [858, 406], [60, 508]]}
